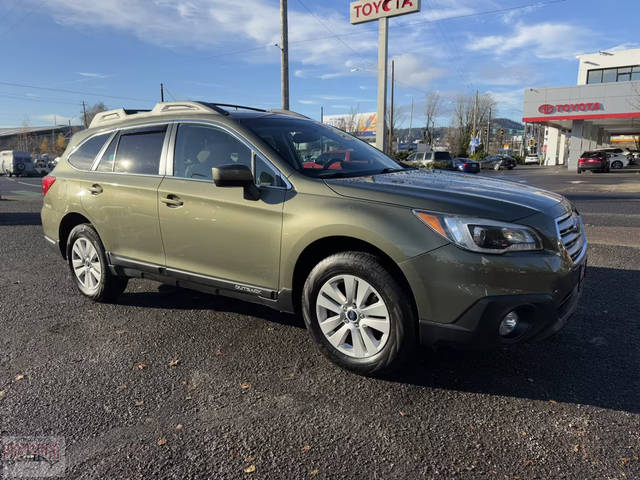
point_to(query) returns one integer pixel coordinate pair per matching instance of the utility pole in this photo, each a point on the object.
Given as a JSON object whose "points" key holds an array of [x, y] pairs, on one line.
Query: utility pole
{"points": [[162, 92], [284, 49], [383, 46], [475, 117], [488, 131], [321, 114], [84, 113], [411, 118], [390, 146]]}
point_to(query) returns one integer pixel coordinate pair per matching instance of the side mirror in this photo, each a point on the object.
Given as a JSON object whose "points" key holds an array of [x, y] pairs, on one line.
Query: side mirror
{"points": [[236, 175]]}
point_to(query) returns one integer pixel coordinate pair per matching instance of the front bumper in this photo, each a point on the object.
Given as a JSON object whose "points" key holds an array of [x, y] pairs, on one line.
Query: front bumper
{"points": [[462, 297], [478, 326]]}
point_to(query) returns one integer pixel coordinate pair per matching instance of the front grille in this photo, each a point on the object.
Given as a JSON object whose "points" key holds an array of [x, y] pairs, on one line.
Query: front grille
{"points": [[571, 234]]}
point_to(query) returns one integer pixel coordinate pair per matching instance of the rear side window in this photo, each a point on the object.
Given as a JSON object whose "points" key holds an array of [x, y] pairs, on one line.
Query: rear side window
{"points": [[442, 156], [106, 162], [139, 152], [83, 157]]}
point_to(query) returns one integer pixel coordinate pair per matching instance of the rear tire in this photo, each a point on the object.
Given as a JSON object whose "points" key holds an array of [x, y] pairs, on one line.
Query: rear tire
{"points": [[369, 326], [89, 267]]}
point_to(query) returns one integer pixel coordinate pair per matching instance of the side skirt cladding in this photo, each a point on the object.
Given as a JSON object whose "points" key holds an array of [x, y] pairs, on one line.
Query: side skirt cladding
{"points": [[127, 267]]}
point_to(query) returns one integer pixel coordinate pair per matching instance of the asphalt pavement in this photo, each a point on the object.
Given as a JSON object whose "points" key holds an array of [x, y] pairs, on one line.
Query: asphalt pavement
{"points": [[168, 383]]}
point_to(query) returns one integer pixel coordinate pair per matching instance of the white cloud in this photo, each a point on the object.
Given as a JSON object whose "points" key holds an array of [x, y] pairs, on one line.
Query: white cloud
{"points": [[411, 71], [251, 29], [307, 102], [93, 75], [544, 40]]}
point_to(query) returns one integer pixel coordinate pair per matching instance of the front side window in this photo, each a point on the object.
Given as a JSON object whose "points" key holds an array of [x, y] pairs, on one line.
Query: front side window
{"points": [[139, 152], [319, 150], [266, 175], [83, 157], [201, 148]]}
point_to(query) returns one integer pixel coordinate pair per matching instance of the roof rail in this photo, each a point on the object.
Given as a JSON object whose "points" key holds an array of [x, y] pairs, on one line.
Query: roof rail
{"points": [[231, 105], [119, 114], [288, 112]]}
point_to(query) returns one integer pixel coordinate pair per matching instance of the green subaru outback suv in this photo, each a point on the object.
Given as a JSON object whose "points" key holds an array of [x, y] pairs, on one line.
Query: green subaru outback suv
{"points": [[274, 208]]}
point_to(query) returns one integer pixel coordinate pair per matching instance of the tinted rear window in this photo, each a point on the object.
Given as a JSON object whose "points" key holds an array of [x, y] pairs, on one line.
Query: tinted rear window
{"points": [[442, 156], [591, 155], [139, 152], [84, 156]]}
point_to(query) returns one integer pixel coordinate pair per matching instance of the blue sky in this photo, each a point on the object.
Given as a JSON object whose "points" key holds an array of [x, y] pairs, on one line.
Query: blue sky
{"points": [[224, 51]]}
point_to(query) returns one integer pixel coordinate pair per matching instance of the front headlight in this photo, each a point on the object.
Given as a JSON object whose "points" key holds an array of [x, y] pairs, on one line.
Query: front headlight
{"points": [[480, 235]]}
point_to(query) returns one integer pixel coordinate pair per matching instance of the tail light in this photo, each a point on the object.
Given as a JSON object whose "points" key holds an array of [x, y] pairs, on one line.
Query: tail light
{"points": [[47, 182]]}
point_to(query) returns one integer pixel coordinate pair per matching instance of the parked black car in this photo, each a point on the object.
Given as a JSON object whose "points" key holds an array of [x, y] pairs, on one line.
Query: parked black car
{"points": [[498, 162]]}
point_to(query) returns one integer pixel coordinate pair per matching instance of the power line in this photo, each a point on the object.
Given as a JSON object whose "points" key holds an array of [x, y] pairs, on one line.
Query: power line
{"points": [[40, 100], [75, 92]]}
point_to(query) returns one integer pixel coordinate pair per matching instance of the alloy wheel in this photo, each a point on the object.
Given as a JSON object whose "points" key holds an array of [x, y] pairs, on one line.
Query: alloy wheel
{"points": [[86, 264], [353, 316]]}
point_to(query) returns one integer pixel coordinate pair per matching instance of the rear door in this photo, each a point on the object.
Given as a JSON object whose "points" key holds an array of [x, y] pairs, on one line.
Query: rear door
{"points": [[121, 195], [213, 234]]}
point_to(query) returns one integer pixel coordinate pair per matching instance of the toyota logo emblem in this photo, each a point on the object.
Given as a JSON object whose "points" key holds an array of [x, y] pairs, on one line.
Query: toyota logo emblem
{"points": [[546, 109]]}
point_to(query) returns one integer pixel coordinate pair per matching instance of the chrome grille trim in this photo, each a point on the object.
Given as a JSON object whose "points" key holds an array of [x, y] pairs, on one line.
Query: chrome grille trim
{"points": [[571, 235]]}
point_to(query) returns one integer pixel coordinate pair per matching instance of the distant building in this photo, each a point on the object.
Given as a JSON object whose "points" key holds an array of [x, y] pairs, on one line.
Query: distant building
{"points": [[604, 103], [29, 139]]}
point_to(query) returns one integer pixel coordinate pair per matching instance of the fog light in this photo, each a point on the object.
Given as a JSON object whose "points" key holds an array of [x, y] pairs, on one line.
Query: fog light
{"points": [[509, 324]]}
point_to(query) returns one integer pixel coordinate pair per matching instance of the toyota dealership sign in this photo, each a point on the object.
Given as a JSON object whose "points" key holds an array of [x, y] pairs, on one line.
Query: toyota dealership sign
{"points": [[369, 10], [548, 109]]}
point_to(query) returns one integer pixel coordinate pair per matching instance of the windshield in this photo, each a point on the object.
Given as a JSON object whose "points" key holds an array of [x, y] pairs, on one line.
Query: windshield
{"points": [[319, 150]]}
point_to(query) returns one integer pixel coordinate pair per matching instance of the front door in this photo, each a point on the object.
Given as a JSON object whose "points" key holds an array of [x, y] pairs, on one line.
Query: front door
{"points": [[213, 233]]}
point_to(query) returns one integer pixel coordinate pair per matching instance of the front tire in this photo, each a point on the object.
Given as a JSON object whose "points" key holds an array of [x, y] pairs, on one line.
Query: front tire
{"points": [[89, 267], [617, 164], [358, 314]]}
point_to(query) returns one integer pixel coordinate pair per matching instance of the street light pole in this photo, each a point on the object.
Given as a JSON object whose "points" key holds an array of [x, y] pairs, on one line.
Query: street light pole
{"points": [[383, 45], [284, 49]]}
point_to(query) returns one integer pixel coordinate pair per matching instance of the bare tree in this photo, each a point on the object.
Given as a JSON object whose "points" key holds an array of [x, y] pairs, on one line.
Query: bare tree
{"points": [[462, 121], [93, 110], [432, 110]]}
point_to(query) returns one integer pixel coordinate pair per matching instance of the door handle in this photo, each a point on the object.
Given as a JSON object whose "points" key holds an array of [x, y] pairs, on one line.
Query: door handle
{"points": [[172, 201], [95, 189]]}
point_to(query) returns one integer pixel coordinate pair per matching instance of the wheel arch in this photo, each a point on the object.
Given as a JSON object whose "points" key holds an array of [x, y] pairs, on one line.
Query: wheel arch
{"points": [[68, 223], [326, 246]]}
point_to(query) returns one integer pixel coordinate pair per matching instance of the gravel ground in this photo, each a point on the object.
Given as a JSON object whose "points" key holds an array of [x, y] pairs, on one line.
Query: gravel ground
{"points": [[168, 383]]}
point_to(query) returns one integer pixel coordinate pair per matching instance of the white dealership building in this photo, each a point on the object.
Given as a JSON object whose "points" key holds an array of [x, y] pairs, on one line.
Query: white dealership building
{"points": [[604, 103]]}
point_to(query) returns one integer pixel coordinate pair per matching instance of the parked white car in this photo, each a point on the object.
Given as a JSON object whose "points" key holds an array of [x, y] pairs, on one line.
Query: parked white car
{"points": [[617, 160], [531, 158]]}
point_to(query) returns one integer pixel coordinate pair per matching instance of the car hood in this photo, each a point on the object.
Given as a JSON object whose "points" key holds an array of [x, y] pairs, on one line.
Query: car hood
{"points": [[453, 193]]}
